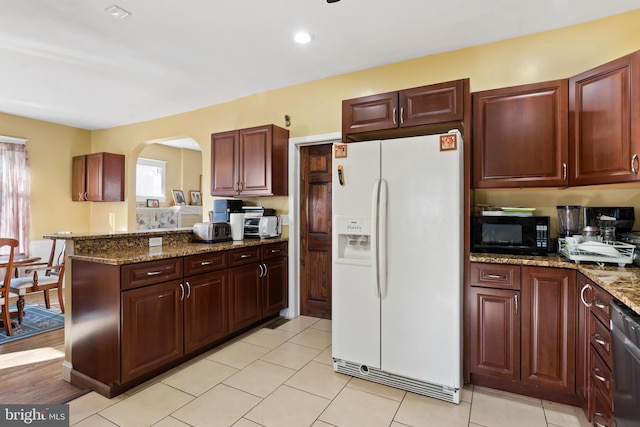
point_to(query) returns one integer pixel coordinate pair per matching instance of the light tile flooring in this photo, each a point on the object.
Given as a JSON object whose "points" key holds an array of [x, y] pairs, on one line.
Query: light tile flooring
{"points": [[284, 377]]}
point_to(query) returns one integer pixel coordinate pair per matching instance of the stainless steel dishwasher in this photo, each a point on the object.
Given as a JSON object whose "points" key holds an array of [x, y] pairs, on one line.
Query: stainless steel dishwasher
{"points": [[625, 327]]}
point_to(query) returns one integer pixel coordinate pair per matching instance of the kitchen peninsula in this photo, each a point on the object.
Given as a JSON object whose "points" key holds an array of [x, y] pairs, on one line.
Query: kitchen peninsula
{"points": [[138, 310]]}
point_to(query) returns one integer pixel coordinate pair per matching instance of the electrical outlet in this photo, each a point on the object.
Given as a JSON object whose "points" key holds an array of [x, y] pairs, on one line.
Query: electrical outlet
{"points": [[155, 241], [284, 219]]}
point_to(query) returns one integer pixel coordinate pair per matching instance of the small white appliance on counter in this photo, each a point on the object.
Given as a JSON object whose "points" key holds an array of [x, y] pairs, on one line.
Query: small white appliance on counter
{"points": [[262, 227], [396, 277]]}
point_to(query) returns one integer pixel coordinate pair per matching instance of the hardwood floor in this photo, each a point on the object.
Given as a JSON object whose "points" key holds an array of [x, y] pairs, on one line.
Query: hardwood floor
{"points": [[30, 369]]}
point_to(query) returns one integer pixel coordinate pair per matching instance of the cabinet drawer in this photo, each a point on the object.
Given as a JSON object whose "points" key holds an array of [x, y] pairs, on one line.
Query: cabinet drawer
{"points": [[148, 273], [600, 304], [244, 256], [275, 250], [601, 339], [499, 276], [204, 263], [601, 377], [602, 414]]}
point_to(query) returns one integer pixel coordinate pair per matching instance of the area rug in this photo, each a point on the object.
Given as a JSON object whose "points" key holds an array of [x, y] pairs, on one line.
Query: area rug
{"points": [[37, 320]]}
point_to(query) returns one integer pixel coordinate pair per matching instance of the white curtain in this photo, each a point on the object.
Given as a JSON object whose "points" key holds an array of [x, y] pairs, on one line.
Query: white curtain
{"points": [[14, 194]]}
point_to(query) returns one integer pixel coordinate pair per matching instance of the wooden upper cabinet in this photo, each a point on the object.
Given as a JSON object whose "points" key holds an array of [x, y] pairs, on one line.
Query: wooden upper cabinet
{"points": [[426, 105], [98, 177], [520, 136], [604, 123], [250, 162]]}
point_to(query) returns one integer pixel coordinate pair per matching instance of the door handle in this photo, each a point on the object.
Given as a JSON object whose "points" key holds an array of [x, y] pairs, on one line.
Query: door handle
{"points": [[188, 290], [515, 297], [181, 292], [582, 291]]}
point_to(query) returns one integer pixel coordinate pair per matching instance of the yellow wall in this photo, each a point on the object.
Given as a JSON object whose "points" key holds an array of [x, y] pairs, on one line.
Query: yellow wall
{"points": [[50, 148], [315, 107], [184, 168]]}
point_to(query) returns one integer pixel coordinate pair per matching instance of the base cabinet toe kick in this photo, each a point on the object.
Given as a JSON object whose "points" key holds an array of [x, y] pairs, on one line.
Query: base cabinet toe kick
{"points": [[130, 323]]}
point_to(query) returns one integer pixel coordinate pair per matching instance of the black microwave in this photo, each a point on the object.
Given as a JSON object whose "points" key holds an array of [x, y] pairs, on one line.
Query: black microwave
{"points": [[517, 235]]}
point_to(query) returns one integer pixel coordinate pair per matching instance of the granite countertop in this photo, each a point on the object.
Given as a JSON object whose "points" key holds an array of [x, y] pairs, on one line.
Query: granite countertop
{"points": [[135, 255], [621, 282]]}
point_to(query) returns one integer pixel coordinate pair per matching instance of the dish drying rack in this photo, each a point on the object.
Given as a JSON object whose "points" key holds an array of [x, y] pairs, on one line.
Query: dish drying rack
{"points": [[577, 254]]}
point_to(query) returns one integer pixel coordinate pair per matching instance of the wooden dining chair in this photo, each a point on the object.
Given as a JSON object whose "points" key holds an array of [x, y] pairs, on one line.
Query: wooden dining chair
{"points": [[41, 277], [5, 291]]}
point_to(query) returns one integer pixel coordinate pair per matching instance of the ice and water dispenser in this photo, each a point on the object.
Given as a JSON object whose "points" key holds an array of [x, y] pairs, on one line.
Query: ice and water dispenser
{"points": [[354, 239]]}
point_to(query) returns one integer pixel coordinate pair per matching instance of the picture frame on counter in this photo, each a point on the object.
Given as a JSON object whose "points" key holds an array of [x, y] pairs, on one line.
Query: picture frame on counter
{"points": [[153, 203], [196, 199], [178, 198]]}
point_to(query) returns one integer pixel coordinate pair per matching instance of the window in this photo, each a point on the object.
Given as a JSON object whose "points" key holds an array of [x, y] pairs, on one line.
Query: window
{"points": [[15, 186], [150, 179]]}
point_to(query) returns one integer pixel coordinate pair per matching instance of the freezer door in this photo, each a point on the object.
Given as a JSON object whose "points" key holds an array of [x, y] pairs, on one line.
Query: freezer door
{"points": [[355, 306], [421, 313]]}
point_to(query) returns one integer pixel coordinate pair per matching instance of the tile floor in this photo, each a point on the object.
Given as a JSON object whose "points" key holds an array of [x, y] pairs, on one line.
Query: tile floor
{"points": [[284, 377]]}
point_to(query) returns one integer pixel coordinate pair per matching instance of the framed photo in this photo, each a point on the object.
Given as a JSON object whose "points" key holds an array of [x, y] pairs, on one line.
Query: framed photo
{"points": [[448, 142], [340, 151], [195, 198], [153, 203], [178, 198]]}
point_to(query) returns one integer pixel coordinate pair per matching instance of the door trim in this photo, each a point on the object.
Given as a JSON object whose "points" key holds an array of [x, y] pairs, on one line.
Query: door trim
{"points": [[294, 214]]}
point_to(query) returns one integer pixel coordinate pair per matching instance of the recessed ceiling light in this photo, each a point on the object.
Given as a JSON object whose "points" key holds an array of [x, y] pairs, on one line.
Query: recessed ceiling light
{"points": [[302, 37], [117, 12]]}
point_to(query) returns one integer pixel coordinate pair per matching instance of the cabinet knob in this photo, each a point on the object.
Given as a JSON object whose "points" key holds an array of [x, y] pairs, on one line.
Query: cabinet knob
{"points": [[634, 162]]}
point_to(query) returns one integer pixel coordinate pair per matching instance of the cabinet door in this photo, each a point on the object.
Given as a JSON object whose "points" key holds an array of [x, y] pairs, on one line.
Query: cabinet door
{"points": [[583, 346], [520, 136], [438, 103], [205, 310], [224, 164], [370, 113], [274, 286], [548, 328], [151, 328], [79, 168], [604, 120], [255, 161], [495, 333], [245, 296], [93, 176]]}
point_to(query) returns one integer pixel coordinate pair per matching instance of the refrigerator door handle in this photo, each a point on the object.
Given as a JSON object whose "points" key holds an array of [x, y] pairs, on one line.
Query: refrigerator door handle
{"points": [[382, 239], [374, 235]]}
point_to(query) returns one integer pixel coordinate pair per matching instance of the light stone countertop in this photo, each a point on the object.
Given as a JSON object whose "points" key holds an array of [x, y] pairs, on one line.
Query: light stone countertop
{"points": [[623, 283]]}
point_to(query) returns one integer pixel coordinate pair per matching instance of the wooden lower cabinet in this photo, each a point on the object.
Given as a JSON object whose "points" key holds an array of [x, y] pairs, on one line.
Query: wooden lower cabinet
{"points": [[152, 328], [244, 296], [495, 333], [594, 358], [257, 290], [132, 322], [523, 339], [206, 317]]}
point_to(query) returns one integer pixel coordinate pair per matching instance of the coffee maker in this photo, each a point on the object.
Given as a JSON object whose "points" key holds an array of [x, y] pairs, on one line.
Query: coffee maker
{"points": [[223, 208]]}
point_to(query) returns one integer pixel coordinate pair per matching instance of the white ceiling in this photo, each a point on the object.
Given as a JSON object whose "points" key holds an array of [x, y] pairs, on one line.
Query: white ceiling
{"points": [[69, 62]]}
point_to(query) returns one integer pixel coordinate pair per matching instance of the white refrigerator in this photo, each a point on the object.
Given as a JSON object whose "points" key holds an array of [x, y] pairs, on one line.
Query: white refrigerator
{"points": [[397, 262]]}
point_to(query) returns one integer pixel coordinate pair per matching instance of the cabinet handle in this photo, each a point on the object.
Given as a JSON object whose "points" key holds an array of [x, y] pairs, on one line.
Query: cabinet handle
{"points": [[582, 291], [261, 270], [188, 290], [275, 251], [600, 378], [598, 304], [153, 273], [401, 115], [266, 269], [595, 422], [203, 263], [596, 338], [181, 292], [564, 171], [494, 276], [515, 297], [634, 161], [243, 256], [394, 116]]}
